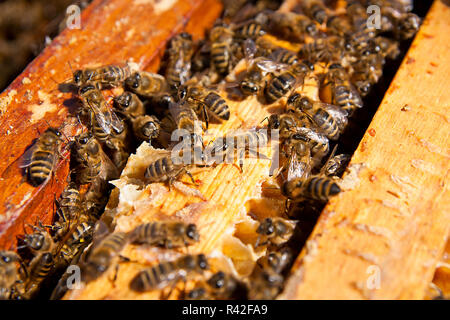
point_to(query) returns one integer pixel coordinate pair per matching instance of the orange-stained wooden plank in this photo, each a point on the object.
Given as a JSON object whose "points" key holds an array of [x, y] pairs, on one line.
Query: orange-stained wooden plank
{"points": [[112, 31], [394, 221]]}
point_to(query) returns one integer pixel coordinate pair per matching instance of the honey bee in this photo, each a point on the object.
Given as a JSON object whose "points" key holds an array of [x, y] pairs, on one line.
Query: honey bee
{"points": [[330, 119], [166, 169], [338, 90], [259, 68], [118, 143], [339, 25], [250, 30], [388, 48], [367, 71], [39, 160], [245, 142], [129, 105], [102, 254], [69, 202], [92, 161], [146, 84], [102, 117], [9, 273], [206, 101], [185, 119], [316, 10], [221, 286], [39, 241], [280, 85], [314, 187], [179, 56], [290, 25], [264, 284], [40, 268], [82, 232], [221, 38], [101, 77], [335, 166], [146, 128], [169, 234], [321, 49], [275, 231], [291, 129], [169, 273], [96, 198], [277, 261]]}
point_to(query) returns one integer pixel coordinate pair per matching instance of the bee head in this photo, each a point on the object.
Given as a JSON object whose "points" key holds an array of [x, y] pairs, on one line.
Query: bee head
{"points": [[335, 66], [150, 130], [363, 88], [84, 138], [305, 103], [186, 36], [191, 232], [7, 257], [35, 241], [217, 281], [182, 93], [249, 88], [202, 262], [86, 89], [311, 29], [133, 81], [77, 77], [123, 101], [274, 121], [196, 293], [266, 227]]}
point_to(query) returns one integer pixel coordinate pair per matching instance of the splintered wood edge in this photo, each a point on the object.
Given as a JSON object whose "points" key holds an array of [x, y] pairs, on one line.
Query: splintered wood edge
{"points": [[112, 32], [383, 236]]}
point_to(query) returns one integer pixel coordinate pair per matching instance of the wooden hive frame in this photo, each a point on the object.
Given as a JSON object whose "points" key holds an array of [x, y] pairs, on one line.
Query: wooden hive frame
{"points": [[386, 220]]}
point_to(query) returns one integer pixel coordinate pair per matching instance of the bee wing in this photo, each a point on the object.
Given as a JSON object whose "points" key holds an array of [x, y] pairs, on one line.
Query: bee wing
{"points": [[250, 49], [339, 115], [268, 65], [299, 168], [116, 122], [21, 162], [100, 117], [109, 170]]}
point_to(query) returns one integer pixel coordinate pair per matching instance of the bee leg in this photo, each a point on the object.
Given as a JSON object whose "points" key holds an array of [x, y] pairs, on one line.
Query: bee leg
{"points": [[205, 116], [190, 176]]}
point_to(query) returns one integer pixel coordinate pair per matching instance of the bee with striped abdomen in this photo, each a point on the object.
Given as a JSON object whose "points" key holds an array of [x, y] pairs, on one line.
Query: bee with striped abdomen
{"points": [[101, 255], [146, 84], [277, 261], [39, 160], [329, 119], [103, 119], [338, 90], [315, 187], [168, 234], [286, 81], [9, 273], [274, 231], [221, 38], [179, 54], [169, 273], [92, 161], [101, 77], [205, 102]]}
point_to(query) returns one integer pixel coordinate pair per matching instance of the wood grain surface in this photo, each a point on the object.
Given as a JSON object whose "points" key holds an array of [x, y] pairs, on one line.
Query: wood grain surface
{"points": [[383, 236]]}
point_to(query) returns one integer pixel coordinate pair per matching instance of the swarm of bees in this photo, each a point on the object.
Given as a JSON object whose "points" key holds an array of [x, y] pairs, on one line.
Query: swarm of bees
{"points": [[345, 55]]}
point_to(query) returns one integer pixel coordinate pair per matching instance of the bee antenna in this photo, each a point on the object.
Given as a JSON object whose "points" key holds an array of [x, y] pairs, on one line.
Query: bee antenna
{"points": [[266, 118], [70, 66]]}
